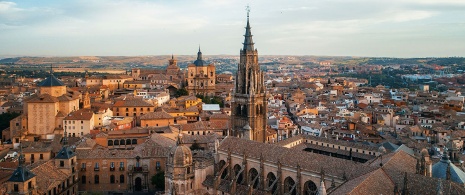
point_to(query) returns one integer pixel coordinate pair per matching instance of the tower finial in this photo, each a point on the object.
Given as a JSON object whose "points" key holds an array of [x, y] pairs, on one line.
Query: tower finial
{"points": [[21, 155], [247, 8], [65, 139], [248, 42], [172, 56], [199, 54]]}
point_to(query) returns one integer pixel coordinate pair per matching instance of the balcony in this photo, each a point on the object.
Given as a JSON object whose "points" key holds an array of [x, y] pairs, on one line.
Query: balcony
{"points": [[112, 168], [83, 169], [121, 168], [96, 169], [143, 168]]}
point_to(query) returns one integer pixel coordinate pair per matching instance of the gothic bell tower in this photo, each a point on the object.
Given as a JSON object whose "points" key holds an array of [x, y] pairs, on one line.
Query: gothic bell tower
{"points": [[248, 107]]}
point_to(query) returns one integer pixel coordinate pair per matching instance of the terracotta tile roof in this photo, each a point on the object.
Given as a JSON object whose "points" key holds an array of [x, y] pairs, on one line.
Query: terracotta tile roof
{"points": [[205, 126], [375, 182], [292, 157], [43, 98], [47, 175], [156, 115], [400, 161], [219, 116], [132, 102], [82, 114]]}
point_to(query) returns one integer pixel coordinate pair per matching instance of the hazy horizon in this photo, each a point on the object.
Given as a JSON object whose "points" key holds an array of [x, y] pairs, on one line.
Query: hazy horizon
{"points": [[354, 28]]}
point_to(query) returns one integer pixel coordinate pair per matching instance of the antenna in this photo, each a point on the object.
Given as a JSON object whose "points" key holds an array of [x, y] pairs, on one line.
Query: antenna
{"points": [[247, 8]]}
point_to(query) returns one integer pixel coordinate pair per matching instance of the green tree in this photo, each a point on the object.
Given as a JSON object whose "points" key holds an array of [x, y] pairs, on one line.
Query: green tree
{"points": [[181, 92], [158, 180], [196, 146]]}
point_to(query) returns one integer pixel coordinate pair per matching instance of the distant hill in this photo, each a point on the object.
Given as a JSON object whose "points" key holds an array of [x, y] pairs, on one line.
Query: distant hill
{"points": [[9, 60]]}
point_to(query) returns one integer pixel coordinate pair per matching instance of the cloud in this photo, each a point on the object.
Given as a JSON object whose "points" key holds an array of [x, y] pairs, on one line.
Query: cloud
{"points": [[139, 27]]}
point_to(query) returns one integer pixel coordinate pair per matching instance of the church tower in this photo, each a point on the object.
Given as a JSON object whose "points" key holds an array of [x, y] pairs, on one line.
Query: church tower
{"points": [[248, 107]]}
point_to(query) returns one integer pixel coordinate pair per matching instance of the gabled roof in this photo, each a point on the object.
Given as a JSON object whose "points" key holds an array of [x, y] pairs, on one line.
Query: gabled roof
{"points": [[406, 149]]}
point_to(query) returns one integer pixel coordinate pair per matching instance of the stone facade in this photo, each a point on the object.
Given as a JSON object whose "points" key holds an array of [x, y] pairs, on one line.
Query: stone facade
{"points": [[201, 77], [248, 116]]}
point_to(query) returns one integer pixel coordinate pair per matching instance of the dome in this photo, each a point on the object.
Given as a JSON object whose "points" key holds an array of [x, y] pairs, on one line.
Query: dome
{"points": [[424, 152], [199, 61], [440, 170], [181, 154]]}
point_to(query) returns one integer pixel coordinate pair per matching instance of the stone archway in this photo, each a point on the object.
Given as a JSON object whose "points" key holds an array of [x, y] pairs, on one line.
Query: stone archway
{"points": [[221, 165], [239, 175], [289, 186], [271, 182], [253, 178], [310, 188], [138, 184]]}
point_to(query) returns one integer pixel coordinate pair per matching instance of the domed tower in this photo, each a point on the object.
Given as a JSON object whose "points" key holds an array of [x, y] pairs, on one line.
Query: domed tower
{"points": [[179, 177], [201, 77]]}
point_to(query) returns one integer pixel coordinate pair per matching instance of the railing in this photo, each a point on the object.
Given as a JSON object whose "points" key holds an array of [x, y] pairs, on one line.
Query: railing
{"points": [[96, 169], [143, 168], [83, 169], [121, 168], [112, 168]]}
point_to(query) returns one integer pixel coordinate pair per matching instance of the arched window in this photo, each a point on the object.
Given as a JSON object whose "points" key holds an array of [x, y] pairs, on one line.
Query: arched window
{"points": [[121, 142], [121, 178], [244, 111], [96, 179], [289, 187], [310, 188], [110, 142], [112, 179], [83, 179], [128, 142], [116, 142], [253, 177], [134, 141], [225, 171], [237, 169], [272, 182]]}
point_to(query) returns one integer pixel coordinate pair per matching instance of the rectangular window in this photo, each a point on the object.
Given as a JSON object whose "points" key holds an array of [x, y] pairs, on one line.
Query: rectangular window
{"points": [[41, 156], [158, 165], [121, 164], [112, 165], [62, 163], [83, 165], [96, 165], [16, 188]]}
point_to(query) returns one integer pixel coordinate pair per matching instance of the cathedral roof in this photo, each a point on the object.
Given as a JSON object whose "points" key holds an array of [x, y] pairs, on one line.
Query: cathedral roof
{"points": [[440, 170], [200, 61], [51, 81]]}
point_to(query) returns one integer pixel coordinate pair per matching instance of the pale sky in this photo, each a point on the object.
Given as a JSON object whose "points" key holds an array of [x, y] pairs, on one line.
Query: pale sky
{"points": [[391, 28]]}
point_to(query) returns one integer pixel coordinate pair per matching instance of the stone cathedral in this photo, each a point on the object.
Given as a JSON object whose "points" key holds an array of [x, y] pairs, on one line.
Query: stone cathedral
{"points": [[248, 107]]}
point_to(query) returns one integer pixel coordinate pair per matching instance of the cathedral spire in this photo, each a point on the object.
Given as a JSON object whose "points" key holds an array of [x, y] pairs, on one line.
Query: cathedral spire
{"points": [[248, 42], [199, 54]]}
